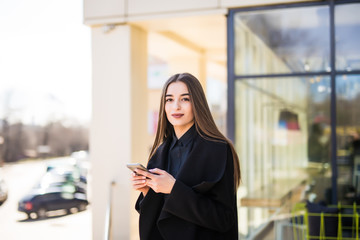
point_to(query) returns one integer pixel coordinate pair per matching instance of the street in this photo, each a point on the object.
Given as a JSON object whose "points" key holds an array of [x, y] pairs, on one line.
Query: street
{"points": [[14, 225]]}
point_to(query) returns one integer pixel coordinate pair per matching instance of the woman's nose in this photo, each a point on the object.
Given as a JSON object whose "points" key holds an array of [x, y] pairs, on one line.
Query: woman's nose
{"points": [[177, 104]]}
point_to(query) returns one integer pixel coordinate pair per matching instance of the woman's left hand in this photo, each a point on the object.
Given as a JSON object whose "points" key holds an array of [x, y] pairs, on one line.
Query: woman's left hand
{"points": [[159, 180]]}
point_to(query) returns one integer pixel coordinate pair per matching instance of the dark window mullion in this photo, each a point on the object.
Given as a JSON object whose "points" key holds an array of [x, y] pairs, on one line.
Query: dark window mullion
{"points": [[307, 74], [333, 104], [346, 2], [231, 78], [357, 72], [280, 6]]}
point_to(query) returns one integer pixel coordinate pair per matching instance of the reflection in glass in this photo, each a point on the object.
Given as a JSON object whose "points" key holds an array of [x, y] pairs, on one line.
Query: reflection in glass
{"points": [[348, 137], [282, 138], [318, 144], [347, 30], [282, 41]]}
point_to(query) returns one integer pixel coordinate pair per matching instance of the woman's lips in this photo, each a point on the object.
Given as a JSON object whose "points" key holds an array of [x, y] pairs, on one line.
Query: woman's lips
{"points": [[177, 115]]}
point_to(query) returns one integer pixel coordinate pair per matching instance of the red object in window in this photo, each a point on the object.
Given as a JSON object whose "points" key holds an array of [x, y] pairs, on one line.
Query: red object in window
{"points": [[28, 206], [289, 120]]}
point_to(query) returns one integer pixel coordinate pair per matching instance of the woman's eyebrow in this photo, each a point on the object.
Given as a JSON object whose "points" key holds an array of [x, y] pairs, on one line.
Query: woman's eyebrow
{"points": [[184, 94]]}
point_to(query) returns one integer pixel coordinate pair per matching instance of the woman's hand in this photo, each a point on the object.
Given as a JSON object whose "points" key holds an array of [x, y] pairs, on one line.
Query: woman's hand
{"points": [[139, 183], [159, 180]]}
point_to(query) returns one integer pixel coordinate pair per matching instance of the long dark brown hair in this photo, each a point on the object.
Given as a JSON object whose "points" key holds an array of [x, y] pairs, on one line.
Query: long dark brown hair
{"points": [[204, 122]]}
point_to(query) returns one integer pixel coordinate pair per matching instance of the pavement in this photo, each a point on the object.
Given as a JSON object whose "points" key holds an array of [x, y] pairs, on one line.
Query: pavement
{"points": [[14, 225]]}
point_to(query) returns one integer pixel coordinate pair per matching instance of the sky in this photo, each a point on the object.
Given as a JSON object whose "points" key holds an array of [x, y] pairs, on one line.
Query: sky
{"points": [[45, 61]]}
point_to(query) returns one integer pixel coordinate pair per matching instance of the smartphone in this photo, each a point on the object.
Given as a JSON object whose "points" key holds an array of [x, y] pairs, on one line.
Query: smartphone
{"points": [[133, 166]]}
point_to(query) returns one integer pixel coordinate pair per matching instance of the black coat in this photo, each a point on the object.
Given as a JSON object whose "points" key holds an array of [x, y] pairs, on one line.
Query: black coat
{"points": [[202, 204]]}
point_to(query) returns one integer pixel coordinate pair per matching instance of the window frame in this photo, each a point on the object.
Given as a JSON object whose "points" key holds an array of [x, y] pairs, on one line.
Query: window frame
{"points": [[232, 77]]}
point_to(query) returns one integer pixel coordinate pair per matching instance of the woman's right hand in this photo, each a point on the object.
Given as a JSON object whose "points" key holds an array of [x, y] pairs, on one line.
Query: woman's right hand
{"points": [[139, 183]]}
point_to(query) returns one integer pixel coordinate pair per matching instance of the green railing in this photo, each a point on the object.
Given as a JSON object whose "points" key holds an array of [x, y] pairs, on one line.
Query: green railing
{"points": [[301, 216]]}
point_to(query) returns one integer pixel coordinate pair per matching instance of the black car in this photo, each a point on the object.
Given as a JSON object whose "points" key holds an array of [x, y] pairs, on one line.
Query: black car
{"points": [[40, 201], [3, 190]]}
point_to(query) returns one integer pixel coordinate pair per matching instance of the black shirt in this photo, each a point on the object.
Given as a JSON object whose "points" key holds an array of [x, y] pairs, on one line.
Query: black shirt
{"points": [[179, 150]]}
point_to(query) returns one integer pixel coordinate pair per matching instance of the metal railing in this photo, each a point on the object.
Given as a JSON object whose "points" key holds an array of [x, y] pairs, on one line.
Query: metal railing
{"points": [[108, 214]]}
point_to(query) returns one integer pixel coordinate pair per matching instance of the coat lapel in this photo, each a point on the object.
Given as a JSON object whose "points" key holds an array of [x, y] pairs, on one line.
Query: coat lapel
{"points": [[202, 169]]}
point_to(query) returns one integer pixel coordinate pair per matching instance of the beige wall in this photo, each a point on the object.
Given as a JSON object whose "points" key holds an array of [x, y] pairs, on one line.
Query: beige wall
{"points": [[138, 7], [122, 11], [118, 127], [104, 11]]}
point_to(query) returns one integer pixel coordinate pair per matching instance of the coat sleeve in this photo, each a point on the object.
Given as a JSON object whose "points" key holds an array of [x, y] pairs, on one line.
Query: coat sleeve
{"points": [[214, 207], [138, 202]]}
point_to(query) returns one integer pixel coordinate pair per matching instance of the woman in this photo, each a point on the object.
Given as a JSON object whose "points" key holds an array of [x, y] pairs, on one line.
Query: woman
{"points": [[190, 191]]}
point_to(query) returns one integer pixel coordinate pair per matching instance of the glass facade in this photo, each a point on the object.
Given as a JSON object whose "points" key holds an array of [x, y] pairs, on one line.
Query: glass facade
{"points": [[282, 137], [347, 35], [282, 41], [280, 123], [297, 137], [348, 137]]}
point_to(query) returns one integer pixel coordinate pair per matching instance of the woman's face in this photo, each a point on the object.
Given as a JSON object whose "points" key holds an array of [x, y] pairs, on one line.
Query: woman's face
{"points": [[178, 107]]}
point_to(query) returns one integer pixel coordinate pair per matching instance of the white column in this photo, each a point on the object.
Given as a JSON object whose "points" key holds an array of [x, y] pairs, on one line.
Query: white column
{"points": [[119, 124]]}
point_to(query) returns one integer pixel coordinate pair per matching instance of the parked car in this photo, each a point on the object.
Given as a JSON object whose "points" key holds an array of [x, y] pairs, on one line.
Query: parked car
{"points": [[68, 166], [66, 179], [3, 189], [39, 202]]}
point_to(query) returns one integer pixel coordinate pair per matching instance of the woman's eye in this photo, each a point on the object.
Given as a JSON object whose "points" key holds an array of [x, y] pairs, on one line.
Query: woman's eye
{"points": [[168, 100], [186, 99]]}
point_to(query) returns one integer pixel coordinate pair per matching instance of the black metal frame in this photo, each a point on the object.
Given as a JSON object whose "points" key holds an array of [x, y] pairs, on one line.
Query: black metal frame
{"points": [[334, 171], [332, 74]]}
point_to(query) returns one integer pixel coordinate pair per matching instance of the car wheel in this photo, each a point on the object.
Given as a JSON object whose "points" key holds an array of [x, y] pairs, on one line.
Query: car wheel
{"points": [[41, 213], [32, 215], [81, 207], [70, 210]]}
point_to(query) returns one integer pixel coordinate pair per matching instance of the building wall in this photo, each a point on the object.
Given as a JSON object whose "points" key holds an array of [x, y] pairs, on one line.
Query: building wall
{"points": [[119, 122], [122, 11], [119, 129]]}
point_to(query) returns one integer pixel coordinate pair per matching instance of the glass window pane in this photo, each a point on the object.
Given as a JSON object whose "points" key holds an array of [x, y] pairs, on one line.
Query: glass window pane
{"points": [[347, 30], [282, 41], [283, 138], [348, 137]]}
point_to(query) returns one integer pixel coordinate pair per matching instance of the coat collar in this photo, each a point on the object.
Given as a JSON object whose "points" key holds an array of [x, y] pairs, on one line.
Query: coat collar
{"points": [[160, 158], [185, 139]]}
